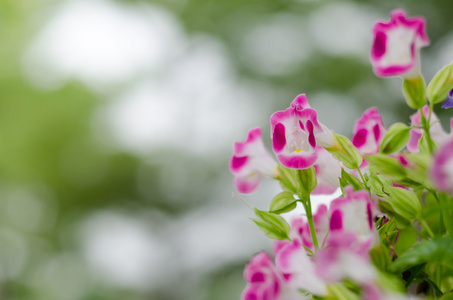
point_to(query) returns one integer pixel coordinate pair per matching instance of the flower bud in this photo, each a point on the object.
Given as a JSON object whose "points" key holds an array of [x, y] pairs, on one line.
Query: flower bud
{"points": [[440, 85], [395, 139], [414, 92]]}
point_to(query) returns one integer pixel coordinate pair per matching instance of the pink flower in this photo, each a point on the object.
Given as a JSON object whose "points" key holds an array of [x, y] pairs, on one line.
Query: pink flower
{"points": [[251, 161], [353, 213], [436, 131], [264, 282], [295, 134], [293, 261], [352, 234], [345, 234], [397, 44], [442, 169], [368, 132], [344, 256]]}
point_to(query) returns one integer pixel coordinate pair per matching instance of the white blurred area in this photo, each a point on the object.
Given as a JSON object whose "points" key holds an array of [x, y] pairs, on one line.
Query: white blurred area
{"points": [[166, 89]]}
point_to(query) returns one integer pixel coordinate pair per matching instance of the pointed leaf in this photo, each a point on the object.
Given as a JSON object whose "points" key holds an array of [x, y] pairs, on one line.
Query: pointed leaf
{"points": [[283, 202], [395, 139], [437, 250], [348, 179], [278, 224]]}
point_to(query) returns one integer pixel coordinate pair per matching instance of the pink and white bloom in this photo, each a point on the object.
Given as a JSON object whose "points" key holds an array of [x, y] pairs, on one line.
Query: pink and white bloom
{"points": [[352, 234], [328, 171], [296, 133], [251, 161], [264, 282], [299, 269], [397, 44], [344, 256], [368, 132], [354, 213], [436, 131], [442, 168]]}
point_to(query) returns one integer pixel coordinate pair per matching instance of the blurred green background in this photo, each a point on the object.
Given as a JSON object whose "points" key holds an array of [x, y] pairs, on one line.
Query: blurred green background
{"points": [[117, 120]]}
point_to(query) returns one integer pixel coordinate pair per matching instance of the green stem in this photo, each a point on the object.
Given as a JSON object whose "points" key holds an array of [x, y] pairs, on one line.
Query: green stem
{"points": [[307, 205], [426, 124], [361, 175], [445, 213], [426, 227]]}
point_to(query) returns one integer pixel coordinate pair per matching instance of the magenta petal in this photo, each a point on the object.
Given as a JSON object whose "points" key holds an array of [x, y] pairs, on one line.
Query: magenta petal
{"points": [[238, 162], [297, 161], [278, 137], [379, 45], [336, 220], [247, 184], [377, 132], [311, 136], [359, 138]]}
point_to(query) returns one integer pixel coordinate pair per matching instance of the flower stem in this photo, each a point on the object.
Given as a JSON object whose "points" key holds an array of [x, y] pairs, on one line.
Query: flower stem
{"points": [[307, 205], [426, 124], [426, 227]]}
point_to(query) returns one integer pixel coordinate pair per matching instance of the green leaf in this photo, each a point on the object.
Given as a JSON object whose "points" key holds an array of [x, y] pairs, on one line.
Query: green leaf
{"points": [[283, 202], [348, 179], [437, 250], [287, 179], [423, 144], [272, 224], [386, 165], [406, 239], [386, 208], [418, 165], [307, 180], [414, 92], [380, 257], [340, 292], [269, 230], [377, 184], [395, 139], [344, 151], [440, 85], [404, 202]]}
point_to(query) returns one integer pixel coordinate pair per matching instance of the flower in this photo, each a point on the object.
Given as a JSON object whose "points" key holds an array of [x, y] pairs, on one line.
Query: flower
{"points": [[251, 161], [436, 131], [264, 282], [449, 103], [442, 168], [345, 234], [396, 45], [368, 132], [295, 134], [354, 213]]}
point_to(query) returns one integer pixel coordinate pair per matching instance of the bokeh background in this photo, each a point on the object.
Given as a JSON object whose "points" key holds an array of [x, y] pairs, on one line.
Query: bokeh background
{"points": [[117, 120]]}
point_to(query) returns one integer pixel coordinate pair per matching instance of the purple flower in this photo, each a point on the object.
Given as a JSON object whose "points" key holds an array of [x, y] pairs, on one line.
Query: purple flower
{"points": [[295, 134], [449, 103], [368, 132], [251, 161], [397, 44], [442, 168]]}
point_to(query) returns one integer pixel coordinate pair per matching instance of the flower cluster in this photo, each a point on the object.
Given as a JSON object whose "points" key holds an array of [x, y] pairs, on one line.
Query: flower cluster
{"points": [[390, 234]]}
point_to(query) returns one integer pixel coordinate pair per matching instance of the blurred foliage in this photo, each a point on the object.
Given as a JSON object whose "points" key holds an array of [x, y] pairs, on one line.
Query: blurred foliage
{"points": [[49, 150]]}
